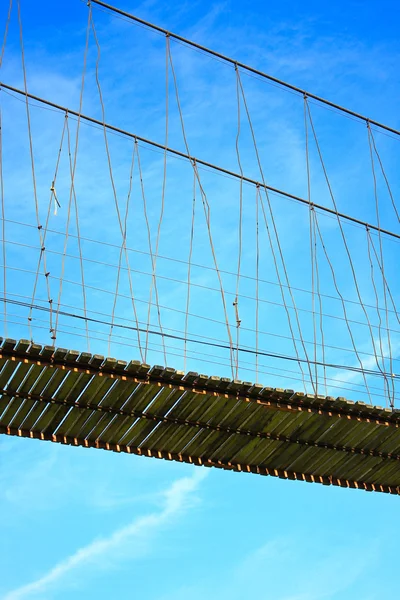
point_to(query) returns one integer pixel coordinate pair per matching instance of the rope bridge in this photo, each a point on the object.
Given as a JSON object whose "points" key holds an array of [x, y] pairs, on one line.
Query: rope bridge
{"points": [[86, 400], [137, 244]]}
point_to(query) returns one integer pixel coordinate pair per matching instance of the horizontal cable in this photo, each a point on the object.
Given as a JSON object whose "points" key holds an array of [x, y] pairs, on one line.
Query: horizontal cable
{"points": [[119, 340], [202, 167], [184, 262], [246, 297], [205, 343], [195, 160], [271, 302], [245, 67], [126, 320]]}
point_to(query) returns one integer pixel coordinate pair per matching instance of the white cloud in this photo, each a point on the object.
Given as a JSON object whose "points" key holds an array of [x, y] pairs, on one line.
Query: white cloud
{"points": [[179, 496], [263, 573], [370, 362]]}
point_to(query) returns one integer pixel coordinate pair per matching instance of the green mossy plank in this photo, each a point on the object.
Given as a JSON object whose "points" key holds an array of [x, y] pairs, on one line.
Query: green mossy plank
{"points": [[265, 451], [36, 374], [139, 401], [51, 419], [159, 408], [10, 408], [113, 422], [83, 427], [40, 407]]}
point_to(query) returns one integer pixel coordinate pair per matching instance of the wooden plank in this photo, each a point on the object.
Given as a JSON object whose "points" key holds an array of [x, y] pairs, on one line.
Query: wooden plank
{"points": [[96, 389], [69, 394], [139, 401], [186, 408], [13, 405], [230, 446], [7, 371], [8, 404], [50, 420], [191, 403], [358, 470], [267, 449], [40, 407], [160, 406], [315, 426], [293, 427], [202, 442], [244, 454], [111, 423], [50, 377], [174, 437], [285, 454], [89, 419], [391, 444], [111, 400], [379, 436], [388, 473], [36, 374], [170, 437]]}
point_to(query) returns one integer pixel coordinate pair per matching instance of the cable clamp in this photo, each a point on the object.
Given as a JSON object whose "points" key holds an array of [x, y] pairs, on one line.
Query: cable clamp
{"points": [[43, 248], [236, 305]]}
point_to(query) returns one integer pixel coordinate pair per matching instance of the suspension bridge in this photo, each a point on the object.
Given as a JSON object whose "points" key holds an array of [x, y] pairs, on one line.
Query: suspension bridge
{"points": [[176, 239]]}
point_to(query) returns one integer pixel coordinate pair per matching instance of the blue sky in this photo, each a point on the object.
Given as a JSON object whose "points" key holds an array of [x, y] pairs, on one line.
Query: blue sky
{"points": [[85, 523]]}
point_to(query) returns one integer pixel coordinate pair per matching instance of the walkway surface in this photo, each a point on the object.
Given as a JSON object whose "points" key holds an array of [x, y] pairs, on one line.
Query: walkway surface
{"points": [[87, 400]]}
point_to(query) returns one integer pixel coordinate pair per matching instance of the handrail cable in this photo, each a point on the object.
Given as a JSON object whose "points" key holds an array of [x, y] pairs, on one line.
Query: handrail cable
{"points": [[243, 66], [184, 262], [222, 345], [199, 285], [127, 320], [199, 161], [198, 354]]}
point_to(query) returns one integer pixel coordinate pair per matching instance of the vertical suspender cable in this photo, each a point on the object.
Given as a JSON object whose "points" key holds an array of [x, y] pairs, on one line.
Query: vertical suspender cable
{"points": [[271, 214], [257, 278], [189, 270], [153, 281], [311, 229], [391, 400], [207, 214], [236, 301], [352, 268]]}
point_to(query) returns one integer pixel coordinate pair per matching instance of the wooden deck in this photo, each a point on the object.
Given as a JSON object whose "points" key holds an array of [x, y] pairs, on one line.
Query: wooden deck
{"points": [[87, 400]]}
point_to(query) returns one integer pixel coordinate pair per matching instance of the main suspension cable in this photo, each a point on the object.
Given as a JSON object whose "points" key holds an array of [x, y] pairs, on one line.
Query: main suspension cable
{"points": [[199, 161], [243, 66]]}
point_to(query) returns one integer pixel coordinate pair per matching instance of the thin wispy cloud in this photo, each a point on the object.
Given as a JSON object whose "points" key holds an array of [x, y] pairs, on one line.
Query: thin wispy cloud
{"points": [[273, 559], [372, 362], [179, 496]]}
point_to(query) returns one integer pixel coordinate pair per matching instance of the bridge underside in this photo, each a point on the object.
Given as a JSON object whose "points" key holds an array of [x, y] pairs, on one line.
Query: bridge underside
{"points": [[88, 400]]}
